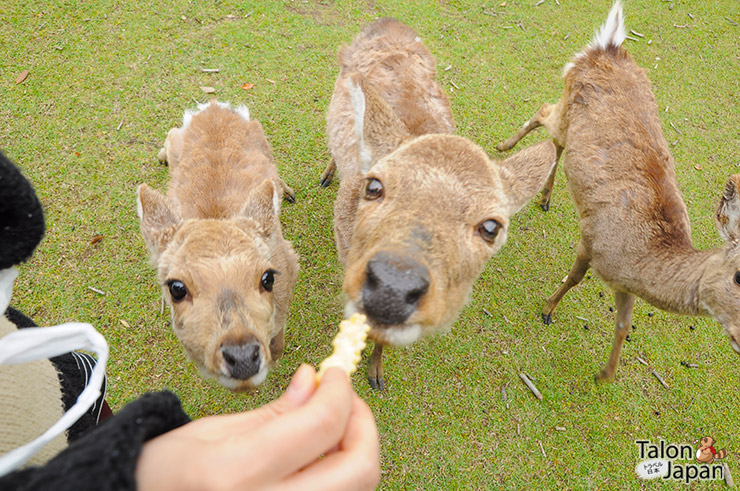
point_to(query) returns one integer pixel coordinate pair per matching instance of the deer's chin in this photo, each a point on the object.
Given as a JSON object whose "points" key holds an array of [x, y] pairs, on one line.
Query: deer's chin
{"points": [[390, 334], [237, 385], [398, 335]]}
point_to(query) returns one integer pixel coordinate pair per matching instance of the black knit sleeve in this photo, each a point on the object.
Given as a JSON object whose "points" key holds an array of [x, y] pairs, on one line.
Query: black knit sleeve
{"points": [[105, 458]]}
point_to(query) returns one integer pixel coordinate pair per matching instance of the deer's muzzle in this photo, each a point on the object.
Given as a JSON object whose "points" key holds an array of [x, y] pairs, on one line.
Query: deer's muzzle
{"points": [[394, 285]]}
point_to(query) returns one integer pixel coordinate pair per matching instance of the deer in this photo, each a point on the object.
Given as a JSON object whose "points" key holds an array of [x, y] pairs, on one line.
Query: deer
{"points": [[634, 226], [419, 210], [216, 241]]}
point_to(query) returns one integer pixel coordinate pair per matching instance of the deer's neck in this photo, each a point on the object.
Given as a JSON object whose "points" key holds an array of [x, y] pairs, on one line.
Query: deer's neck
{"points": [[672, 278]]}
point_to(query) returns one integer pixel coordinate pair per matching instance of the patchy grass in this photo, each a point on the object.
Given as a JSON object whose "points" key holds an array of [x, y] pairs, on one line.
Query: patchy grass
{"points": [[109, 79]]}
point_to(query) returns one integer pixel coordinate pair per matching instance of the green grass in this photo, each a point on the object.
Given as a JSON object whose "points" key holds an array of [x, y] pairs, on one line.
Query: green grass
{"points": [[98, 65]]}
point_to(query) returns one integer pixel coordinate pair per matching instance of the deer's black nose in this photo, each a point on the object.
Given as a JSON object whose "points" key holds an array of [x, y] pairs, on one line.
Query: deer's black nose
{"points": [[242, 361], [394, 284]]}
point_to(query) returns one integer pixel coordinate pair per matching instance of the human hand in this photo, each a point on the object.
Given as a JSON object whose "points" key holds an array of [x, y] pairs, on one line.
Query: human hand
{"points": [[310, 438]]}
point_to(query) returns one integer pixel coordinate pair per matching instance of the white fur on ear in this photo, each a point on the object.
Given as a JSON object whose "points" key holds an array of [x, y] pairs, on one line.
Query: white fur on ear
{"points": [[357, 97], [276, 199]]}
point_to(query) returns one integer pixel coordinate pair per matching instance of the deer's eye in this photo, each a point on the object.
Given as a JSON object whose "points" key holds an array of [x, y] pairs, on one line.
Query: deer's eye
{"points": [[178, 291], [268, 280], [489, 230], [737, 278], [373, 189]]}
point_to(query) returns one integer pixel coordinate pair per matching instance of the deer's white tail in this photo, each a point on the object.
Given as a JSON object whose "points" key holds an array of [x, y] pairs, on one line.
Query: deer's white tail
{"points": [[612, 33]]}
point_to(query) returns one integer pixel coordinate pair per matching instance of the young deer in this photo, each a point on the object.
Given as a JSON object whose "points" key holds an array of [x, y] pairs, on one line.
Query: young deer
{"points": [[419, 211], [224, 267], [635, 230]]}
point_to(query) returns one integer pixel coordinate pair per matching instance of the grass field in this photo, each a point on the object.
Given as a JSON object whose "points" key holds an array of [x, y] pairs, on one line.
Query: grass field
{"points": [[108, 79]]}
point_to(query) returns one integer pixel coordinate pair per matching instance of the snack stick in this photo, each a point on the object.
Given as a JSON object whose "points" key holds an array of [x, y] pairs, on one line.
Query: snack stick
{"points": [[348, 344]]}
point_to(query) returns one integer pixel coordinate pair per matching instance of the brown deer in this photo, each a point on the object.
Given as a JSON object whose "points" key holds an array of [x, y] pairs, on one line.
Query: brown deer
{"points": [[419, 211], [224, 267], [635, 230]]}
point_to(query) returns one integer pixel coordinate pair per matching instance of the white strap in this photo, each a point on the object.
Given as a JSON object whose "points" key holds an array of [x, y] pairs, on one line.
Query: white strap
{"points": [[7, 277], [45, 342]]}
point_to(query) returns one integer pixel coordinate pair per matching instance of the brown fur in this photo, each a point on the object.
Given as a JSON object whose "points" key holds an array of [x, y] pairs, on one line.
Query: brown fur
{"points": [[218, 232], [437, 188], [635, 230]]}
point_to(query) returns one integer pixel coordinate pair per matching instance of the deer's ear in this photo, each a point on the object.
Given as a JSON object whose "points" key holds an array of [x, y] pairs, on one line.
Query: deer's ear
{"points": [[727, 217], [158, 220], [378, 129], [525, 173], [263, 206]]}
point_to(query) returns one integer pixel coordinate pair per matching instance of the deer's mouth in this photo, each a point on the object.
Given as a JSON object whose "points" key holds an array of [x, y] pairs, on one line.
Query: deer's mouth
{"points": [[402, 334]]}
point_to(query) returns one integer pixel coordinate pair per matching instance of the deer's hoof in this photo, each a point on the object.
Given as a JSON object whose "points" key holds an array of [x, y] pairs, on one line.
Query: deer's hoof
{"points": [[376, 383], [547, 319], [325, 182], [545, 206], [289, 196], [603, 377], [162, 156]]}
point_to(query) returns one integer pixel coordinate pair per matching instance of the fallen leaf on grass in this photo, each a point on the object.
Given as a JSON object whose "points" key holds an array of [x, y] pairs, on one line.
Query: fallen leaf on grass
{"points": [[698, 167], [208, 90], [21, 77], [126, 324], [247, 86], [97, 238], [502, 4]]}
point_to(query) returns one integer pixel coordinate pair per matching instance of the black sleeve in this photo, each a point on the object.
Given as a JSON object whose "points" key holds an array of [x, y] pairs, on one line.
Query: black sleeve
{"points": [[105, 458]]}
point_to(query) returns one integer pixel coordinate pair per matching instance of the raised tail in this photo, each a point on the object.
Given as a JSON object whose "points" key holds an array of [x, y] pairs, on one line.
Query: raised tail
{"points": [[612, 33]]}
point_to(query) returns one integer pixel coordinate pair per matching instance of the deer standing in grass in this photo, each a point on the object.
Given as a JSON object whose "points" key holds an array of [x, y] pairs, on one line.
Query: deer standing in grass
{"points": [[635, 230], [215, 238], [419, 211]]}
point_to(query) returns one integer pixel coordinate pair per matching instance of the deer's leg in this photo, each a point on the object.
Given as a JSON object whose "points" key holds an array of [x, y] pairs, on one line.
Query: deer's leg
{"points": [[277, 344], [170, 151], [375, 368], [625, 302], [328, 174], [288, 193], [547, 190], [577, 272], [537, 120]]}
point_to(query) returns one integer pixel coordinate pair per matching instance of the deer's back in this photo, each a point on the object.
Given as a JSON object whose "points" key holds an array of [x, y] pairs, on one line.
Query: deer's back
{"points": [[398, 66], [223, 157], [620, 172]]}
